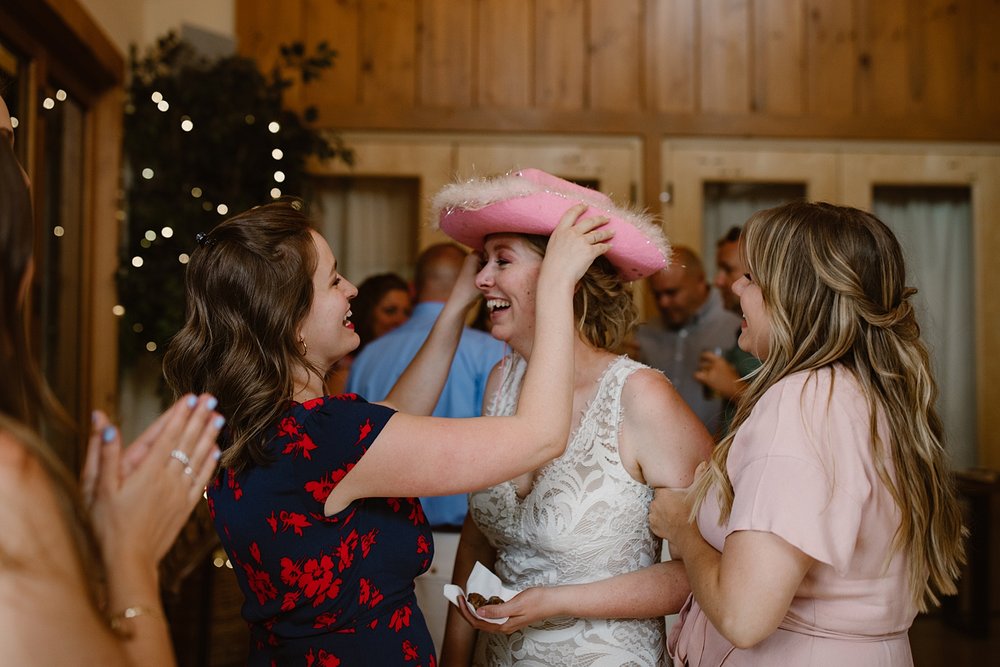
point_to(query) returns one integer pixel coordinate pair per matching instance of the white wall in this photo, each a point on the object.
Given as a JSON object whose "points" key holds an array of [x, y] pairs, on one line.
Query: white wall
{"points": [[141, 21]]}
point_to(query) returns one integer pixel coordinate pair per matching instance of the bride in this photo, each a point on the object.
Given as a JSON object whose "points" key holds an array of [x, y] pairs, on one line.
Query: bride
{"points": [[573, 536]]}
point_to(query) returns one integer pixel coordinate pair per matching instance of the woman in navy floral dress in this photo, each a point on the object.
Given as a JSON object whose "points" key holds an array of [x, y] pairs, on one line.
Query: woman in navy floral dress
{"points": [[316, 503], [332, 590]]}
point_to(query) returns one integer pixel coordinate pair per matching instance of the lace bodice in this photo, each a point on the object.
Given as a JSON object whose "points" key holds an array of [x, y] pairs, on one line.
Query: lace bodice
{"points": [[583, 520]]}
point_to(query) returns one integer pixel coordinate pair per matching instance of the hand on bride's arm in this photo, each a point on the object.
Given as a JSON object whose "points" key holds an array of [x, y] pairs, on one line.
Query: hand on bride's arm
{"points": [[669, 516]]}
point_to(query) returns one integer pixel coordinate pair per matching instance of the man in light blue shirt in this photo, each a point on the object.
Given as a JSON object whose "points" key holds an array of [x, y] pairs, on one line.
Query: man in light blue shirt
{"points": [[380, 364]]}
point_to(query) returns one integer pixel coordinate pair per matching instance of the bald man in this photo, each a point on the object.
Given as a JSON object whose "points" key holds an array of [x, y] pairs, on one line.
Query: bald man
{"points": [[692, 320], [376, 370]]}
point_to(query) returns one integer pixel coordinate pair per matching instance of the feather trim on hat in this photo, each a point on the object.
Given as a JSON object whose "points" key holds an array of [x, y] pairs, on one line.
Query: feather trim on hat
{"points": [[477, 193]]}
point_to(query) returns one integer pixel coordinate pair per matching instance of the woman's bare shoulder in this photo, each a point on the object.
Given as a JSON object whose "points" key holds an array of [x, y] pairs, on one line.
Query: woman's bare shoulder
{"points": [[29, 511]]}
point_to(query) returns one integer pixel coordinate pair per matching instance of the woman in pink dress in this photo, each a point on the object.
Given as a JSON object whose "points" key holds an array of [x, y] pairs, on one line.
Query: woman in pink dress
{"points": [[826, 519]]}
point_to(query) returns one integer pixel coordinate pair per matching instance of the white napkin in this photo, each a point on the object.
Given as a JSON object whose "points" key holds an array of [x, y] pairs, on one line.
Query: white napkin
{"points": [[482, 581]]}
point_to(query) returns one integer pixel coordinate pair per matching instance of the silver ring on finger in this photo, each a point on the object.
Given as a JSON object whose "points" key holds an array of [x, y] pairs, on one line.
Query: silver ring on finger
{"points": [[189, 471], [182, 457]]}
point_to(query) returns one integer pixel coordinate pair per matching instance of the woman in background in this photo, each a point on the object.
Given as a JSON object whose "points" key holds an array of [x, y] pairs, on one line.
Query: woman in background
{"points": [[382, 304], [78, 572], [827, 518]]}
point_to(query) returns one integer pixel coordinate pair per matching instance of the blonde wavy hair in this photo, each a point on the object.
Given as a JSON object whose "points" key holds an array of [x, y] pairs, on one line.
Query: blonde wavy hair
{"points": [[832, 282]]}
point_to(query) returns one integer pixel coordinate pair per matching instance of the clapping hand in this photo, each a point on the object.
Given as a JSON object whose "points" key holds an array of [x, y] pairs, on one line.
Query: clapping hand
{"points": [[139, 499]]}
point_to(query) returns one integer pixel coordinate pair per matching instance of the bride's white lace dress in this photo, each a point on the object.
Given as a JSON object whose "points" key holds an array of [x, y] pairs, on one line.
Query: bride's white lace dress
{"points": [[584, 519]]}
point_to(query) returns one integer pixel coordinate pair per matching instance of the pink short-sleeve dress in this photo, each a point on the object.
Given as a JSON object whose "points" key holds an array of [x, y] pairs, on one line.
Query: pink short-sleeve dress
{"points": [[802, 468]]}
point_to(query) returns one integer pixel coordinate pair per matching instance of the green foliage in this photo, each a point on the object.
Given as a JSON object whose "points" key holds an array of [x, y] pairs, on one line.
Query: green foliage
{"points": [[226, 159]]}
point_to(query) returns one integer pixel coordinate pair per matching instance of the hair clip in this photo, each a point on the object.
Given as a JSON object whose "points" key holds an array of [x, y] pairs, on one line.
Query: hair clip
{"points": [[204, 240]]}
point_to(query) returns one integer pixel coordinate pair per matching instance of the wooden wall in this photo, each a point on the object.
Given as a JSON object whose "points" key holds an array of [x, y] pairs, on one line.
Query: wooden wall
{"points": [[822, 68], [870, 69]]}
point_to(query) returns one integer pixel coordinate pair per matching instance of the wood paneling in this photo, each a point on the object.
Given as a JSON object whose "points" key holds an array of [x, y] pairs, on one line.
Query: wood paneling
{"points": [[560, 54], [388, 52], [946, 53], [885, 58], [615, 55], [725, 56], [263, 27], [779, 57], [337, 23], [778, 68], [831, 57], [671, 55], [445, 45], [986, 63], [505, 54]]}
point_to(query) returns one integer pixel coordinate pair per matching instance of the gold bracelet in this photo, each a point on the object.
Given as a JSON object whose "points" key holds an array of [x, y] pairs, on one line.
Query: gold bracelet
{"points": [[118, 621]]}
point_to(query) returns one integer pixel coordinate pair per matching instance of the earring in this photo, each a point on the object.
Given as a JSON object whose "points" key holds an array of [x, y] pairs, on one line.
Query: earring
{"points": [[302, 342]]}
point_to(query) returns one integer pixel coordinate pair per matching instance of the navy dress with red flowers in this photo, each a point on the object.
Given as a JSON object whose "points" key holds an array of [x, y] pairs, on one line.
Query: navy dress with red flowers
{"points": [[324, 591]]}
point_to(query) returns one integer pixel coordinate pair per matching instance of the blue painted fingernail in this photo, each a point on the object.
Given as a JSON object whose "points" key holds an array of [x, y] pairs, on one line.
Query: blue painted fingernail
{"points": [[192, 401], [211, 402], [216, 455], [108, 434], [219, 421]]}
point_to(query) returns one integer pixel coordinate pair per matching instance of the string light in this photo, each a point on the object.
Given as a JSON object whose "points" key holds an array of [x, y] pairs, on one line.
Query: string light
{"points": [[149, 238], [58, 230], [14, 122], [61, 95], [48, 103]]}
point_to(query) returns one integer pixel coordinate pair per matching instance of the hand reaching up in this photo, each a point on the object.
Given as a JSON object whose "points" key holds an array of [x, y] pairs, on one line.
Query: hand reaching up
{"points": [[465, 293], [574, 245]]}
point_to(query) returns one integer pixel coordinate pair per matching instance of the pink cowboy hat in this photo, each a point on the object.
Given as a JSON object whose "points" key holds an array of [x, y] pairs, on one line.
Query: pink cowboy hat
{"points": [[531, 201]]}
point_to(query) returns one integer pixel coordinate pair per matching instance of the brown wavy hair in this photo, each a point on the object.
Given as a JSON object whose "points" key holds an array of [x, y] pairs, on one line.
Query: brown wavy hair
{"points": [[832, 281], [603, 303], [248, 286]]}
